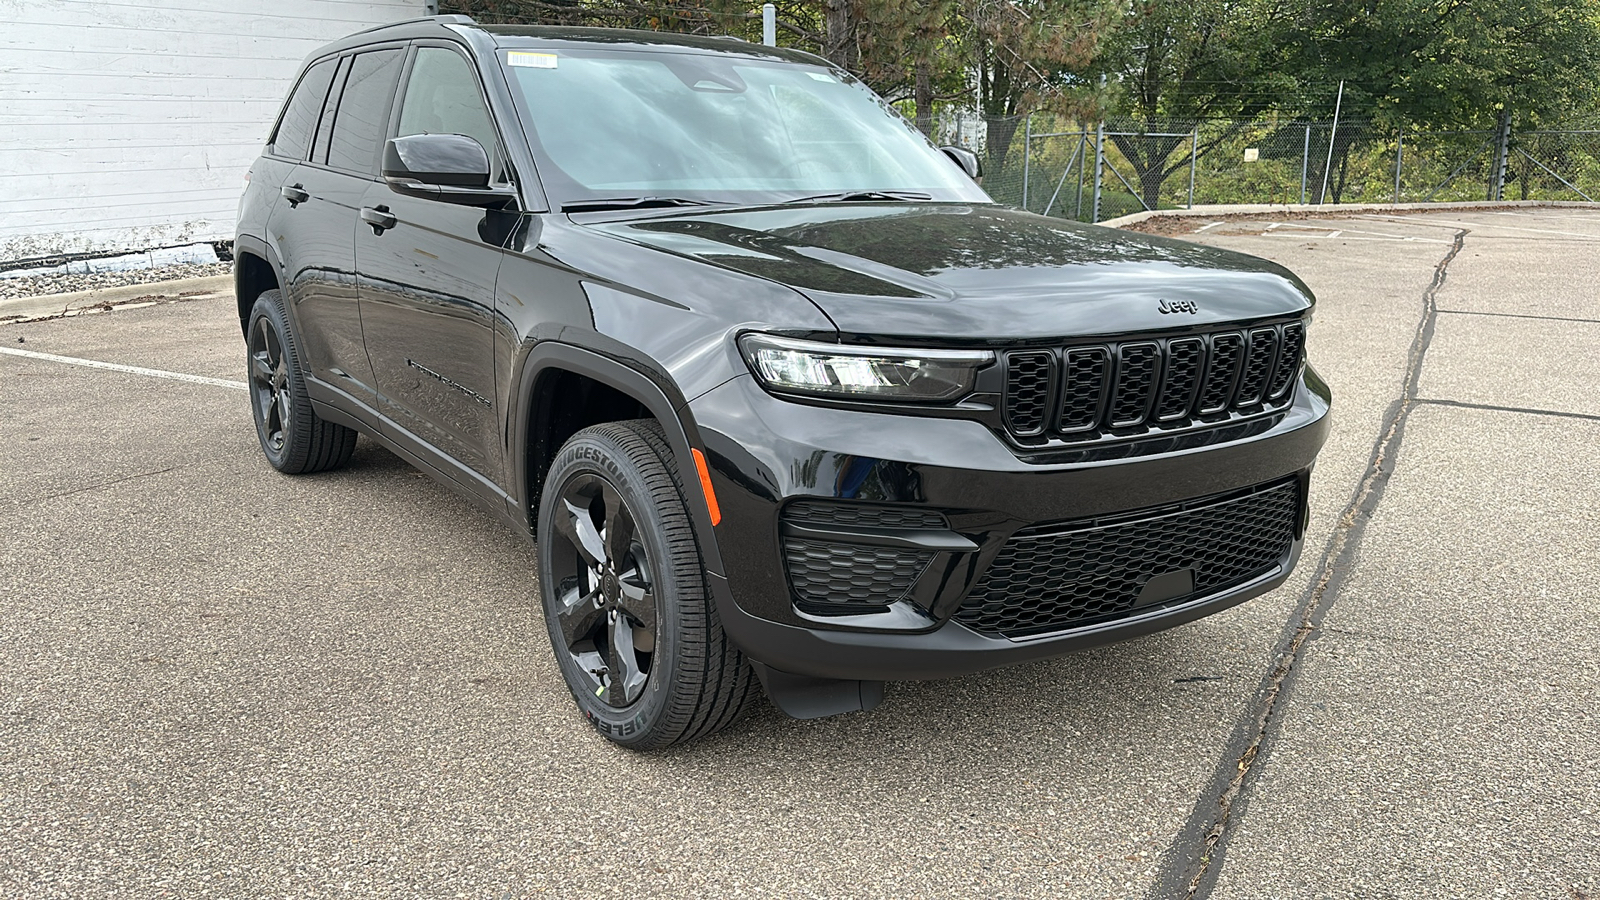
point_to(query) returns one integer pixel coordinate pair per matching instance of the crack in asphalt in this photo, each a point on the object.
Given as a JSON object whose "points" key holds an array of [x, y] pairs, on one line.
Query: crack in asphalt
{"points": [[1192, 863], [1491, 407], [30, 501], [1500, 315]]}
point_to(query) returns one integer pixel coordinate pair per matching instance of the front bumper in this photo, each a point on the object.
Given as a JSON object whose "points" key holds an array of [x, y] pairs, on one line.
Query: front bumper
{"points": [[765, 453]]}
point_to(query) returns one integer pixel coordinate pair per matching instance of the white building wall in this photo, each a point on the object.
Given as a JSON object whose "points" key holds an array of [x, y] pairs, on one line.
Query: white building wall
{"points": [[128, 124]]}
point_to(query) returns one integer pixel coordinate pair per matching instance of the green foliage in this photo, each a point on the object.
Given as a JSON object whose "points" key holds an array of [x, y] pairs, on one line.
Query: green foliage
{"points": [[1239, 74]]}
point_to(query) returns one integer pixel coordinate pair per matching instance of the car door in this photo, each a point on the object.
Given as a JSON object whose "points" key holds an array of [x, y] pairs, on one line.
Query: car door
{"points": [[287, 147], [315, 227], [427, 283], [313, 233]]}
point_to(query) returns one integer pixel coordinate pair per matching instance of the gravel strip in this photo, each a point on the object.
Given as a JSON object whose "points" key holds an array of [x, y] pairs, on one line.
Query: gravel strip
{"points": [[39, 285]]}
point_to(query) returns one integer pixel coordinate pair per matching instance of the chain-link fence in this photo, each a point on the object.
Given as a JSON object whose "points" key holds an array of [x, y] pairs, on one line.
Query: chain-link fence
{"points": [[1101, 170]]}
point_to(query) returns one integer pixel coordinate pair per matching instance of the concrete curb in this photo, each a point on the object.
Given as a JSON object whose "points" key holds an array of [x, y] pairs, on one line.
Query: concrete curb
{"points": [[1335, 209], [49, 306]]}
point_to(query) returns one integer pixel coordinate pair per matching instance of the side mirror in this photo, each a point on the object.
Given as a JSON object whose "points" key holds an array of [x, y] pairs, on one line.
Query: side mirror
{"points": [[966, 159], [451, 168]]}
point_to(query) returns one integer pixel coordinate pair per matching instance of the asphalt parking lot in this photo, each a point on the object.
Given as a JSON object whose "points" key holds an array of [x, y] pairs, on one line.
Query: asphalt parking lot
{"points": [[219, 681]]}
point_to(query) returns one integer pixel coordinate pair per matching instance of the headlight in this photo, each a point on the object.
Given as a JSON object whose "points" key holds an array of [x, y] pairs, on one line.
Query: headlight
{"points": [[867, 373]]}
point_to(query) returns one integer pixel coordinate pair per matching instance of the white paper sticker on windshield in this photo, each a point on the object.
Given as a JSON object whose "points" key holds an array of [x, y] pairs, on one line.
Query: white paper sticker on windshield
{"points": [[823, 76], [531, 60]]}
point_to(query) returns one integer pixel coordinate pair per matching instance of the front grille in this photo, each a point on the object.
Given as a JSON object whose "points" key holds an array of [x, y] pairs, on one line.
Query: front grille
{"points": [[1085, 389], [1138, 365], [1028, 378], [1185, 358], [1053, 577], [1131, 388], [830, 573]]}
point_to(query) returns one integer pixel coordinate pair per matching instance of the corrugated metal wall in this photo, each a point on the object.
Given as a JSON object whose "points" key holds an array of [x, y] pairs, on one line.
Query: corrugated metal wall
{"points": [[127, 125]]}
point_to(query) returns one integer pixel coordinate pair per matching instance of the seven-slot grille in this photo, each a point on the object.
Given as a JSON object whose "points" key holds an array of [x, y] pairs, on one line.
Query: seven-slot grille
{"points": [[1129, 387]]}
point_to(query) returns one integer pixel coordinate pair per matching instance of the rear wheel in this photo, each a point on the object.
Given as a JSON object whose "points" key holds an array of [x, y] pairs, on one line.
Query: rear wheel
{"points": [[631, 622], [295, 440]]}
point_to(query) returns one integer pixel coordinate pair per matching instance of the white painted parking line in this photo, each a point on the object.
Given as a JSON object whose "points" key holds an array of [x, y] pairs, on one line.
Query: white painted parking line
{"points": [[1351, 236], [1446, 223], [1545, 214], [1204, 228], [131, 370], [1371, 235]]}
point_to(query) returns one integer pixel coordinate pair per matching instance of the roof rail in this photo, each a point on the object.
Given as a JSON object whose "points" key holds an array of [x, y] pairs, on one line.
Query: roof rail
{"points": [[452, 19]]}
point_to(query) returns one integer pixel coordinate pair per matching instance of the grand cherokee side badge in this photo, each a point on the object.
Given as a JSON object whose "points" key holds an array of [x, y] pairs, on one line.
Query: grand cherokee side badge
{"points": [[1179, 306]]}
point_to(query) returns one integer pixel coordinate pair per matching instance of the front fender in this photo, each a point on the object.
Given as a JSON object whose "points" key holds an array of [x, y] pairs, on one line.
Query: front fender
{"points": [[649, 385]]}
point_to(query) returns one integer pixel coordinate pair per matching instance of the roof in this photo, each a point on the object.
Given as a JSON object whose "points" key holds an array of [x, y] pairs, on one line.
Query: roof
{"points": [[508, 35], [542, 35]]}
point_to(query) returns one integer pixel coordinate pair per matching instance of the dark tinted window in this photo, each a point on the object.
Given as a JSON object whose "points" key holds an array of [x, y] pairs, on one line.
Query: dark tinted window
{"points": [[300, 117], [442, 97], [319, 149], [364, 110]]}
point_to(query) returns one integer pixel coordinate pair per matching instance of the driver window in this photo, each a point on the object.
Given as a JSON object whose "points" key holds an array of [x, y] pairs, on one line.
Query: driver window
{"points": [[442, 97]]}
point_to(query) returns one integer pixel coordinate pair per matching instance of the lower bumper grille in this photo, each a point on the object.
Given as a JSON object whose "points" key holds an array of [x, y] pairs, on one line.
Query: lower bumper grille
{"points": [[1053, 577], [839, 575], [830, 573]]}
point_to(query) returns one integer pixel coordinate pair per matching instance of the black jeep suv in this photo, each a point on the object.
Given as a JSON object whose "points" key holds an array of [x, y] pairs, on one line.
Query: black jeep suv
{"points": [[784, 396]]}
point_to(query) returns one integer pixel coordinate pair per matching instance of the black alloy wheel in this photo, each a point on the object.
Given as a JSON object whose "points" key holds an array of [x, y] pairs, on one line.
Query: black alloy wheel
{"points": [[269, 384], [606, 602], [294, 438], [633, 626]]}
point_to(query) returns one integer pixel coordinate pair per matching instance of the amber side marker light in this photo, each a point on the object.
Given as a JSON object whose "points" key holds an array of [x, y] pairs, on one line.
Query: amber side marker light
{"points": [[705, 486]]}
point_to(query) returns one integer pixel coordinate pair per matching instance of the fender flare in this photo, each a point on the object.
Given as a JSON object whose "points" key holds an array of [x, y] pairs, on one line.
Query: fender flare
{"points": [[247, 243], [676, 423]]}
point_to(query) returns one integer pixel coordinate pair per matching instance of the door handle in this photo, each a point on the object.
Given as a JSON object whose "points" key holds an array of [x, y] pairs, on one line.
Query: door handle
{"points": [[379, 218], [295, 194]]}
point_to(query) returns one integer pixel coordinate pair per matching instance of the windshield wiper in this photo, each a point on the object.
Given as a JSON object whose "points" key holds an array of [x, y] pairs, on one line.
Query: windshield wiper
{"points": [[597, 203], [849, 196]]}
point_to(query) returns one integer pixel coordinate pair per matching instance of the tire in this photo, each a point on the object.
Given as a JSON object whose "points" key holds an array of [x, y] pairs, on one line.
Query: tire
{"points": [[632, 624], [294, 439]]}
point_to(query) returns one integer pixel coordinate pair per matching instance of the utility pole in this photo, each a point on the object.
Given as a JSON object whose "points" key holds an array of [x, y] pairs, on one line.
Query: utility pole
{"points": [[769, 24], [1027, 158], [1099, 165], [1194, 154], [1399, 154], [1099, 157], [1502, 153], [1305, 164], [1332, 133]]}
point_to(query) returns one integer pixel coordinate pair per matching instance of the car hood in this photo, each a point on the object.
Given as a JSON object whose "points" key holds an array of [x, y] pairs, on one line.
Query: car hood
{"points": [[975, 271]]}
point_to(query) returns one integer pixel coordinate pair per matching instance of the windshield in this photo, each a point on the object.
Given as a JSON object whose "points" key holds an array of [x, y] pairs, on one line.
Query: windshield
{"points": [[639, 124]]}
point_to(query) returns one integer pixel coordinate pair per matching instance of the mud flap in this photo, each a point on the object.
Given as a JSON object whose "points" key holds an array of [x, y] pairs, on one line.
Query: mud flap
{"points": [[804, 697]]}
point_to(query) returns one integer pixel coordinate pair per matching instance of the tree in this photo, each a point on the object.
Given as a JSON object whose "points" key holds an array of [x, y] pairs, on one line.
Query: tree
{"points": [[1442, 64], [1172, 64], [1030, 55]]}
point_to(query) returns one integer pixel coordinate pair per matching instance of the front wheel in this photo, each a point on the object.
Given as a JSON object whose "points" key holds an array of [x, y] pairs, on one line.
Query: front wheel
{"points": [[625, 601]]}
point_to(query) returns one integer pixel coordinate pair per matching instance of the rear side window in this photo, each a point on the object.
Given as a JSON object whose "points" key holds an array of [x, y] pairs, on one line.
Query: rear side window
{"points": [[364, 110], [319, 149], [300, 116]]}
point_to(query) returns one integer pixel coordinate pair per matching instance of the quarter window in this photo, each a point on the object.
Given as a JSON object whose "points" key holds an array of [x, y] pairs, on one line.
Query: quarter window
{"points": [[364, 110], [300, 115], [319, 147]]}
